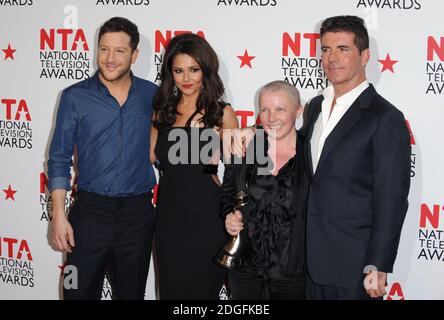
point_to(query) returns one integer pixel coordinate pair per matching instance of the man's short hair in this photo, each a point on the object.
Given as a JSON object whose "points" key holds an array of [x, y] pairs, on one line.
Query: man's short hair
{"points": [[120, 24], [352, 24]]}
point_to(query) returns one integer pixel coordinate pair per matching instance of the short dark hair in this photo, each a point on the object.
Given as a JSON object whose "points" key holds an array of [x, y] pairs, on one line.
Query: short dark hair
{"points": [[351, 24], [118, 24], [209, 102]]}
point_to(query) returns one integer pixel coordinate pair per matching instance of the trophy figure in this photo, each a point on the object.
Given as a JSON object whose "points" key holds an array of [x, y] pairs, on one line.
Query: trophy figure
{"points": [[236, 248]]}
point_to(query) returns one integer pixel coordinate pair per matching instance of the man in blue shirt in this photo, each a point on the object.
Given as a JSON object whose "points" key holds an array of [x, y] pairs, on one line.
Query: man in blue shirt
{"points": [[107, 118]]}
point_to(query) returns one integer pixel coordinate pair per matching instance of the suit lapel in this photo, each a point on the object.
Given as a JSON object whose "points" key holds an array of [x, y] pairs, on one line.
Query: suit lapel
{"points": [[308, 158], [348, 121]]}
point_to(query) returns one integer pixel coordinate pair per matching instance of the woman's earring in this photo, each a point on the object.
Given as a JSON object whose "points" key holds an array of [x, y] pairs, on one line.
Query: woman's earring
{"points": [[175, 91]]}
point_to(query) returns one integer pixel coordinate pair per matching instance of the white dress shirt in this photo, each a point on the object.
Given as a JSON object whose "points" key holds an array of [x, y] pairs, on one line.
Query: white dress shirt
{"points": [[326, 122]]}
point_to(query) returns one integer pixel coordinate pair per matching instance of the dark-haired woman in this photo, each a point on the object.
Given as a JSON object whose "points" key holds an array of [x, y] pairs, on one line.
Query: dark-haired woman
{"points": [[189, 230]]}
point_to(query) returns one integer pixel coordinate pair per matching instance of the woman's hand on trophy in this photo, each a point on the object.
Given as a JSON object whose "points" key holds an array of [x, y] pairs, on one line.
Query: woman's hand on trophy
{"points": [[233, 223]]}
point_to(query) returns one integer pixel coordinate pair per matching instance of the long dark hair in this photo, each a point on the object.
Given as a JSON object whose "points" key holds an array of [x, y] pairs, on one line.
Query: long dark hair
{"points": [[210, 96]]}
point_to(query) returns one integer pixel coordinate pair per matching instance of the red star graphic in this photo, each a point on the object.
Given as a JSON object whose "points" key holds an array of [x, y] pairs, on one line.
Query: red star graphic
{"points": [[9, 53], [246, 59], [9, 193], [62, 269], [387, 64]]}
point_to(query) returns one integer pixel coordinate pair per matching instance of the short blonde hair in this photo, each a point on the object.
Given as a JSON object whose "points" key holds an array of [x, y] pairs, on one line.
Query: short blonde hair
{"points": [[280, 85]]}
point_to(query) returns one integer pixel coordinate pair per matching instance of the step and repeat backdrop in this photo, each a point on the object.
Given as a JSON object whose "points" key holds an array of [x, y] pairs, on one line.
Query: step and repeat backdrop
{"points": [[47, 45]]}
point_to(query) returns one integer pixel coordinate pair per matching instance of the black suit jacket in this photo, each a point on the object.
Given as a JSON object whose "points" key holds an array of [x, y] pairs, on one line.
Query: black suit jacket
{"points": [[358, 195]]}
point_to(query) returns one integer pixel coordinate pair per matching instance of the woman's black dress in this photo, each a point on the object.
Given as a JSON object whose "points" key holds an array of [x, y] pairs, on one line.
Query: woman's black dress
{"points": [[189, 229]]}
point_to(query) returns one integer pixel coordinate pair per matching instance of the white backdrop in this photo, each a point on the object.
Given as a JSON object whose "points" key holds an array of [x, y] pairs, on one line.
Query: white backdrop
{"points": [[46, 45]]}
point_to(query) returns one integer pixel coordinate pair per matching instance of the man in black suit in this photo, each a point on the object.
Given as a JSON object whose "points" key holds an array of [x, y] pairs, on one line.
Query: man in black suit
{"points": [[358, 157]]}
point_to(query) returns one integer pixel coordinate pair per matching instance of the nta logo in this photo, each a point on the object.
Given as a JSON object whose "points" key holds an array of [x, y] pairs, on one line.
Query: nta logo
{"points": [[161, 39], [21, 110], [435, 68], [64, 38], [300, 65], [64, 54], [16, 131], [430, 235], [396, 292], [430, 216], [295, 43], [14, 249]]}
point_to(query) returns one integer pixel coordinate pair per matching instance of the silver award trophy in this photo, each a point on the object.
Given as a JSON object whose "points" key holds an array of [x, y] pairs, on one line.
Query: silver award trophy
{"points": [[236, 248]]}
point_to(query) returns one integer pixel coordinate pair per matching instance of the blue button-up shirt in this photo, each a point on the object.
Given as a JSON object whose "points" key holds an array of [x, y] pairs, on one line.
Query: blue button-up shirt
{"points": [[112, 141]]}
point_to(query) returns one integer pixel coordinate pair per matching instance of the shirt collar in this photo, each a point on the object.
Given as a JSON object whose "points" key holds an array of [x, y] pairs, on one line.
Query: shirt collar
{"points": [[347, 98], [102, 88]]}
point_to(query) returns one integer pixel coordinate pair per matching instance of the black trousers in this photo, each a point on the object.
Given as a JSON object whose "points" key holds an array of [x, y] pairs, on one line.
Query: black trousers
{"points": [[112, 234], [245, 285], [317, 291]]}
